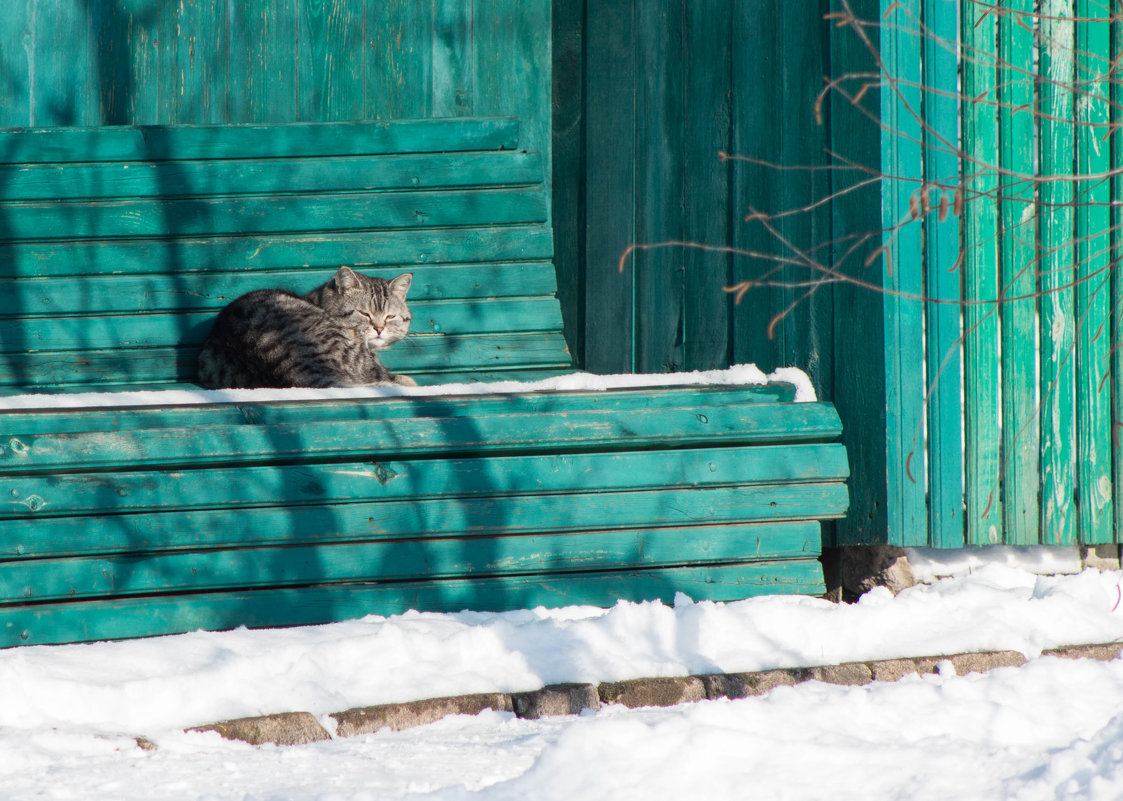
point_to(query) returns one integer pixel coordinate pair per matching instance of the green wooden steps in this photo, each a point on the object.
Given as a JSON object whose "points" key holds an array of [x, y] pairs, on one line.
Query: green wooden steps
{"points": [[120, 246]]}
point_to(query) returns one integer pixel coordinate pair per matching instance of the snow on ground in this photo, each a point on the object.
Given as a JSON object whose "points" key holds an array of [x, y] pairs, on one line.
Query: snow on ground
{"points": [[738, 375], [1051, 729]]}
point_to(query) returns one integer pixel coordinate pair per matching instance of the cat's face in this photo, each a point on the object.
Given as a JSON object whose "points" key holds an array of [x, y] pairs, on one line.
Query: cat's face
{"points": [[374, 308]]}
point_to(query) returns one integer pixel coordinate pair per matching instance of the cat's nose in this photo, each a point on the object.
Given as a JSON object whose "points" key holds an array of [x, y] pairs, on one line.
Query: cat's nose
{"points": [[378, 330]]}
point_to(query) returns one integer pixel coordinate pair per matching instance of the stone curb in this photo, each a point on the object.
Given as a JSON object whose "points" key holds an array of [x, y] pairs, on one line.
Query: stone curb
{"points": [[299, 728]]}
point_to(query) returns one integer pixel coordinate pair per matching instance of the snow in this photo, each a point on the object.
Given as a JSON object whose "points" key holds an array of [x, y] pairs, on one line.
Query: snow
{"points": [[1050, 729], [930, 564], [738, 375]]}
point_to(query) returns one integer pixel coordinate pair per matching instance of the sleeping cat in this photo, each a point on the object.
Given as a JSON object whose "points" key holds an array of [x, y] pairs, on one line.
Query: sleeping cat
{"points": [[327, 338]]}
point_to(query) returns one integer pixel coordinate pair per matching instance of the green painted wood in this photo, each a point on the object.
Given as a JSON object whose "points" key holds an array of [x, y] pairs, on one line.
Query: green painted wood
{"points": [[906, 472], [636, 401], [63, 65], [242, 487], [486, 316], [252, 176], [138, 294], [942, 265], [453, 75], [433, 353], [1017, 248], [125, 77], [17, 106], [1115, 95], [261, 85], [707, 87], [481, 517], [330, 57], [658, 273], [77, 622], [1093, 271], [191, 71], [194, 142], [510, 432], [1057, 325], [610, 155], [271, 214], [398, 60], [175, 256], [402, 560]]}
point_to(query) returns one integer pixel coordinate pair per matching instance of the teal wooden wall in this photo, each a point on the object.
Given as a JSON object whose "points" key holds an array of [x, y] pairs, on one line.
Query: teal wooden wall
{"points": [[111, 62]]}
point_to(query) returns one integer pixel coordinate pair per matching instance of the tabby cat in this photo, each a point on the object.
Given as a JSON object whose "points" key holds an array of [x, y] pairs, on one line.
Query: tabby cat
{"points": [[327, 338]]}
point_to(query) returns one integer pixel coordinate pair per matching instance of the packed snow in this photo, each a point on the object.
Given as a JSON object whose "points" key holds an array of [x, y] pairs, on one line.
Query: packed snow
{"points": [[69, 715], [738, 375]]}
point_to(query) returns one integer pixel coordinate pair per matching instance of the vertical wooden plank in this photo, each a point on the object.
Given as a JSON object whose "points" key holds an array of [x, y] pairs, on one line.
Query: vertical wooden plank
{"points": [[1116, 285], [399, 59], [17, 35], [610, 185], [125, 78], [262, 78], [568, 212], [659, 141], [707, 91], [907, 522], [61, 88], [1058, 514], [453, 58], [981, 377], [859, 367], [193, 62], [1093, 395], [331, 70], [1018, 249], [755, 192]]}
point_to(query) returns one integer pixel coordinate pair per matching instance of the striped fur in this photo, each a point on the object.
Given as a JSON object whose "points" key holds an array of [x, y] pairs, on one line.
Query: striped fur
{"points": [[327, 338]]}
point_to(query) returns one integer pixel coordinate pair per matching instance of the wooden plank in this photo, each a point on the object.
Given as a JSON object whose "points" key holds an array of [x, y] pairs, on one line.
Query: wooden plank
{"points": [[192, 60], [194, 447], [36, 371], [1018, 250], [1057, 324], [194, 142], [708, 86], [64, 64], [453, 75], [166, 532], [261, 82], [399, 59], [1116, 221], [177, 256], [461, 317], [16, 28], [638, 401], [427, 558], [139, 294], [346, 482], [272, 214], [981, 335], [610, 153], [1093, 271], [330, 61], [904, 366], [125, 84], [659, 282], [77, 622], [263, 176]]}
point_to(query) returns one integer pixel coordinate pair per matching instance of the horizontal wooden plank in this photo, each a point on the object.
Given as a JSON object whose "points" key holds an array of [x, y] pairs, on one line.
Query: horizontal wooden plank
{"points": [[181, 255], [122, 534], [261, 214], [256, 176], [462, 317], [402, 560], [45, 371], [32, 496], [197, 291], [189, 142], [595, 429], [639, 401], [99, 620]]}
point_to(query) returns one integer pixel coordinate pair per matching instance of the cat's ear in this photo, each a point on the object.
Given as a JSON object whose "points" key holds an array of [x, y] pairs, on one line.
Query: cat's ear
{"points": [[400, 285], [345, 279]]}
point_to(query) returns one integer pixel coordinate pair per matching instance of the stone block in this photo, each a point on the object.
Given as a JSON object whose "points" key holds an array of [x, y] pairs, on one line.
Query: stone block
{"points": [[1102, 653], [285, 728], [557, 699], [653, 692], [851, 674], [860, 568], [892, 669], [1101, 557], [369, 719], [744, 685]]}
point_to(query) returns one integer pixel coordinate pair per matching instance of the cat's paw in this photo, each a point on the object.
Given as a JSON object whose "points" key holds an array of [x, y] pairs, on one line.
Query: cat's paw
{"points": [[404, 381]]}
